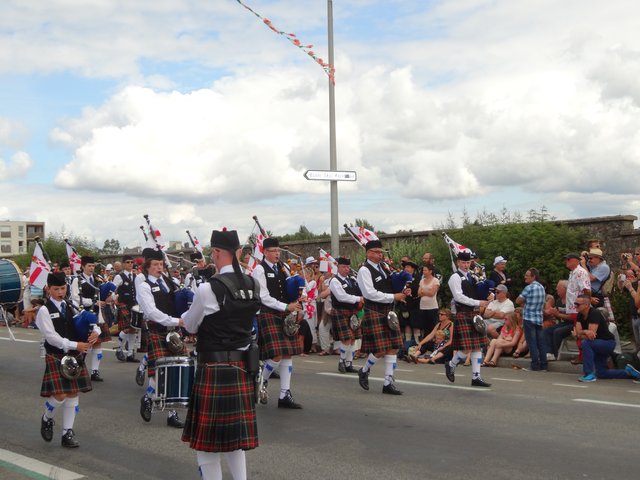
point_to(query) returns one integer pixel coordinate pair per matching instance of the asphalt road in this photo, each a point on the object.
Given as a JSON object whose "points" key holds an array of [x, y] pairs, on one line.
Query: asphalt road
{"points": [[528, 425]]}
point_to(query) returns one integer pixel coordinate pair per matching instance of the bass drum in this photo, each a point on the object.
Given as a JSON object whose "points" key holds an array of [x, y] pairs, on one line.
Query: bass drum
{"points": [[11, 282]]}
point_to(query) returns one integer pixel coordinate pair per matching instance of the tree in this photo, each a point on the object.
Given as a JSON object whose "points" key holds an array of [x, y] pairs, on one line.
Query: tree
{"points": [[54, 245], [111, 247]]}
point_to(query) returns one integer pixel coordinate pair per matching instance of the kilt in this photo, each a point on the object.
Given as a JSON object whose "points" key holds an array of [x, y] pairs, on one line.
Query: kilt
{"points": [[221, 415], [376, 334], [124, 319], [158, 349], [105, 334], [272, 340], [53, 383], [341, 324], [465, 336], [144, 340]]}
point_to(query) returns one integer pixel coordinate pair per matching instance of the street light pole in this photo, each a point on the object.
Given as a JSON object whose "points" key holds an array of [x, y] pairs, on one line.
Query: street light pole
{"points": [[333, 162]]}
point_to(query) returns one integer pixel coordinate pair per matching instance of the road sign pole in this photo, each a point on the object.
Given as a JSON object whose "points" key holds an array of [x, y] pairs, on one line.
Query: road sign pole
{"points": [[333, 161]]}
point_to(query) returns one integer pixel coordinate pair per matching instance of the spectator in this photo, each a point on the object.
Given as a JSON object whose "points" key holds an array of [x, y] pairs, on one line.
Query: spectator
{"points": [[408, 310], [498, 276], [445, 325], [497, 310], [522, 348], [629, 282], [427, 315], [599, 273], [598, 344], [578, 284], [532, 298], [556, 308], [507, 341]]}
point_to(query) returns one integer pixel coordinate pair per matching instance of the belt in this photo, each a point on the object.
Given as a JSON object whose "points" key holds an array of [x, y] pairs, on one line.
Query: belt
{"points": [[220, 357]]}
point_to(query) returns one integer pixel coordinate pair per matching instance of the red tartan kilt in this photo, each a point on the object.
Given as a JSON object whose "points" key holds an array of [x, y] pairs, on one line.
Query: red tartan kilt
{"points": [[144, 341], [221, 415], [272, 340], [341, 325], [376, 334], [124, 318], [465, 336], [53, 383], [158, 349]]}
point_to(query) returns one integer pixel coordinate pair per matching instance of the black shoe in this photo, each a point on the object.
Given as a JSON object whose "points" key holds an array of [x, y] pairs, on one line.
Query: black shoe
{"points": [[342, 368], [363, 379], [274, 374], [140, 376], [120, 355], [95, 376], [449, 372], [478, 382], [174, 421], [132, 359], [288, 402], [263, 394], [146, 406], [46, 429], [391, 389], [68, 440], [349, 368]]}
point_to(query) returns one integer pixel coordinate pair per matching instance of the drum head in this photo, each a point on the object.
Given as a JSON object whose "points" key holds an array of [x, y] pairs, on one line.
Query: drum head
{"points": [[12, 282]]}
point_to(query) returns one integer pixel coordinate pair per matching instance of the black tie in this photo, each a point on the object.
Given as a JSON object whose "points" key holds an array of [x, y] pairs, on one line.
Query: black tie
{"points": [[162, 287], [381, 271], [63, 309]]}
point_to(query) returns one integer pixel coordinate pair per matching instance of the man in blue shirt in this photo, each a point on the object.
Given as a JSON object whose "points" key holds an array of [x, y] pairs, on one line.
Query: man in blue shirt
{"points": [[533, 299]]}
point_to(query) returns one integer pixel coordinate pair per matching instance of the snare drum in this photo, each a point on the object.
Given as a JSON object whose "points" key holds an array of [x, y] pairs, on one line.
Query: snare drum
{"points": [[174, 380], [11, 282], [136, 317]]}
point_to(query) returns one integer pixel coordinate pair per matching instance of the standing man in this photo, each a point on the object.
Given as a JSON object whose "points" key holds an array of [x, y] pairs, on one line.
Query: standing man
{"points": [[276, 348], [55, 322], [466, 339], [599, 273], [221, 416], [155, 295], [346, 300], [126, 291], [378, 338], [533, 299], [579, 282], [85, 293]]}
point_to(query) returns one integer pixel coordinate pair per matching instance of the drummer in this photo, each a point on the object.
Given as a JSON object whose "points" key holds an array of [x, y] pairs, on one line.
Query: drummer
{"points": [[221, 416], [55, 321], [155, 295], [126, 291]]}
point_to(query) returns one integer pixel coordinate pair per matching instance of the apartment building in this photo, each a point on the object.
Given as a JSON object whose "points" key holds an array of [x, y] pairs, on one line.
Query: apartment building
{"points": [[17, 237]]}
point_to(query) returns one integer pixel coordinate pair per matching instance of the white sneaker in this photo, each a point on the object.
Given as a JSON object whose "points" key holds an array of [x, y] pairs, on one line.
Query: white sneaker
{"points": [[551, 357]]}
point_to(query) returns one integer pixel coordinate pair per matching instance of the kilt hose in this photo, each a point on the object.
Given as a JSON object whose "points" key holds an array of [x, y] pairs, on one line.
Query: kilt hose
{"points": [[341, 324], [124, 319], [221, 416], [465, 336], [271, 337], [144, 339], [158, 349], [53, 383], [376, 335]]}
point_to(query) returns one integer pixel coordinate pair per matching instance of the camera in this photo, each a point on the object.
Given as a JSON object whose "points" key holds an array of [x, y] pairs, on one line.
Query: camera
{"points": [[622, 277], [626, 255]]}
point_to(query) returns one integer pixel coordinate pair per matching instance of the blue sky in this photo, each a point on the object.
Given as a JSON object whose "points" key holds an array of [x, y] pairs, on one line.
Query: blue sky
{"points": [[199, 115]]}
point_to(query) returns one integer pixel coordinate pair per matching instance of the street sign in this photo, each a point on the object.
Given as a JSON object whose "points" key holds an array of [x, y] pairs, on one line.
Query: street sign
{"points": [[330, 175]]}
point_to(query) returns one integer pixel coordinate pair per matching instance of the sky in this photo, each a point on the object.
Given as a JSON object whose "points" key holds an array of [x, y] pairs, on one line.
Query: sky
{"points": [[197, 114]]}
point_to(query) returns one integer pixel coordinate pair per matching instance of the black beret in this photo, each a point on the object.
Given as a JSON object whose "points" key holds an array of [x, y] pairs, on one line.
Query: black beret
{"points": [[373, 244], [226, 240], [87, 259], [56, 279], [152, 254], [466, 256], [270, 242], [344, 261], [127, 258], [196, 256]]}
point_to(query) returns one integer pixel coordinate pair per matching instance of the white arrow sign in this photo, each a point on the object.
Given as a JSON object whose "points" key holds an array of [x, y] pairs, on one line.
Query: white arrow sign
{"points": [[330, 175]]}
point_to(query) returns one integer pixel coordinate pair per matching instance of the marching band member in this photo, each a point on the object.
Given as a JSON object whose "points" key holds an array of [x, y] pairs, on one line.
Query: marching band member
{"points": [[126, 291], [346, 300], [55, 322], [144, 331], [378, 339], [465, 337], [154, 293], [201, 272], [221, 416], [85, 291], [276, 348]]}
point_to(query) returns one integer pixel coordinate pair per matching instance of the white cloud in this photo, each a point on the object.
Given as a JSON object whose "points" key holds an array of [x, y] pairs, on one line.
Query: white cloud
{"points": [[17, 167]]}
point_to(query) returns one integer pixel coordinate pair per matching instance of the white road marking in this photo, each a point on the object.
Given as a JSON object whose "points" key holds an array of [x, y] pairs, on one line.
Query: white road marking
{"points": [[570, 385], [633, 391], [36, 466], [507, 379], [20, 340], [314, 361], [600, 402], [411, 382]]}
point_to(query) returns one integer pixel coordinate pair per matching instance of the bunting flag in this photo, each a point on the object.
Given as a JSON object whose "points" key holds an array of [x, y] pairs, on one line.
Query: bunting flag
{"points": [[40, 269], [308, 49], [74, 259], [363, 235], [455, 246], [327, 261]]}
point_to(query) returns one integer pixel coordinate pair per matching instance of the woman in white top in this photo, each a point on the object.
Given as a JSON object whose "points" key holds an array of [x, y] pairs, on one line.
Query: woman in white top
{"points": [[427, 291]]}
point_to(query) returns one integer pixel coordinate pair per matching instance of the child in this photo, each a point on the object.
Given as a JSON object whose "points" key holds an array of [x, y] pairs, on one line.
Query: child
{"points": [[440, 343]]}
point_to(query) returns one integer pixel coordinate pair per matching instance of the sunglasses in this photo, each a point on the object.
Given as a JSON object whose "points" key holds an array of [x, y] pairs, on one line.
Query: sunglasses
{"points": [[578, 304]]}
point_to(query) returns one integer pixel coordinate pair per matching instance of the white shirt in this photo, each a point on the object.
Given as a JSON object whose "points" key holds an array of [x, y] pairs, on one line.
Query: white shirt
{"points": [[75, 291], [117, 280], [204, 303], [145, 299], [338, 290], [498, 306], [455, 285], [265, 297], [365, 282], [53, 338]]}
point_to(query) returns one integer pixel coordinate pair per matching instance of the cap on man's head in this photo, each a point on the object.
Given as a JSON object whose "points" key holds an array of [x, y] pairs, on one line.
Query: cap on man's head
{"points": [[344, 261], [271, 242], [499, 259], [56, 279], [195, 256], [414, 265], [595, 252], [310, 260], [225, 240], [502, 288], [464, 256], [127, 258], [152, 254], [571, 255], [373, 244], [87, 259]]}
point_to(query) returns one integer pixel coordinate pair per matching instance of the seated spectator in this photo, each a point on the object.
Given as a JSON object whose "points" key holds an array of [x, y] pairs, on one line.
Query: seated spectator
{"points": [[556, 308], [497, 310], [507, 341], [446, 326], [439, 350], [598, 344], [522, 348], [499, 275]]}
